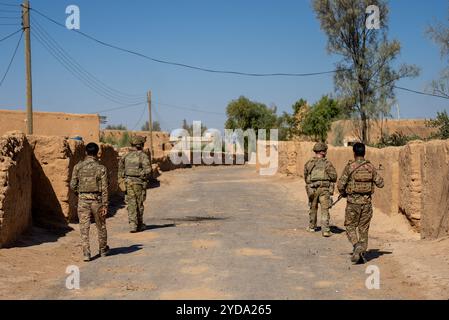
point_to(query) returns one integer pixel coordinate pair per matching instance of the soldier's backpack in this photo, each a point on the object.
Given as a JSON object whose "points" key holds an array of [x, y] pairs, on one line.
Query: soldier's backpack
{"points": [[318, 172], [361, 178], [89, 178], [133, 164]]}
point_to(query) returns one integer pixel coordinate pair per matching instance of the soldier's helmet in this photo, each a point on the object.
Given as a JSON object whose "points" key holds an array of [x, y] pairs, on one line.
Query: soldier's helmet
{"points": [[138, 141], [320, 147]]}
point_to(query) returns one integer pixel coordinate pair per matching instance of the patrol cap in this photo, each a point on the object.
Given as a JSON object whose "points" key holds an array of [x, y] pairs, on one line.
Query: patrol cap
{"points": [[320, 147], [138, 140]]}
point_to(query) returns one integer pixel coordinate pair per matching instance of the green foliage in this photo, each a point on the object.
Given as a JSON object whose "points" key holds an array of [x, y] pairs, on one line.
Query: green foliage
{"points": [[189, 127], [246, 114], [117, 127], [318, 121], [397, 139], [365, 77], [124, 141], [442, 123], [156, 126]]}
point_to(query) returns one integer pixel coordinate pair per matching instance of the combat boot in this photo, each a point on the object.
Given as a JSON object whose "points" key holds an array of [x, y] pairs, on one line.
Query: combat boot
{"points": [[142, 227], [311, 230], [87, 258], [357, 254], [327, 234], [105, 252]]}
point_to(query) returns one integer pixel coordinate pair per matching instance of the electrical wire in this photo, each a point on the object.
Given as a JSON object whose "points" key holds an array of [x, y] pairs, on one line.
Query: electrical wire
{"points": [[421, 92], [12, 60], [11, 35], [239, 73], [188, 108], [74, 71], [89, 77], [140, 119], [9, 4]]}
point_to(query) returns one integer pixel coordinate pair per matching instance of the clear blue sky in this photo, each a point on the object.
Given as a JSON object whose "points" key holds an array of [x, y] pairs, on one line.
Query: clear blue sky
{"points": [[252, 36]]}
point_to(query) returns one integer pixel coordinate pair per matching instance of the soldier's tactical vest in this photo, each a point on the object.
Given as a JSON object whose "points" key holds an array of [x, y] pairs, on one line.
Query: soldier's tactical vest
{"points": [[361, 179], [319, 171], [133, 165], [89, 178]]}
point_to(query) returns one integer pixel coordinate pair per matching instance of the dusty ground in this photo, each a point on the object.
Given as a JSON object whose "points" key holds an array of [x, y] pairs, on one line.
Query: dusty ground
{"points": [[227, 233]]}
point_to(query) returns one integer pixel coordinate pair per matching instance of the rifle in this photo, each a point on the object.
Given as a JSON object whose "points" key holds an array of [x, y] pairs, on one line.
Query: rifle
{"points": [[337, 201]]}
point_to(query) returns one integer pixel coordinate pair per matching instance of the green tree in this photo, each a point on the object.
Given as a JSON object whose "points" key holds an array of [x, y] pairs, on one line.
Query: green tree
{"points": [[120, 127], [365, 77], [246, 114], [442, 123], [156, 126], [289, 125], [318, 121], [439, 33], [189, 127]]}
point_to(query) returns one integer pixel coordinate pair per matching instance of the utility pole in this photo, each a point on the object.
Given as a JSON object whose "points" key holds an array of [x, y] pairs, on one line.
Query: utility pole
{"points": [[150, 125], [29, 84]]}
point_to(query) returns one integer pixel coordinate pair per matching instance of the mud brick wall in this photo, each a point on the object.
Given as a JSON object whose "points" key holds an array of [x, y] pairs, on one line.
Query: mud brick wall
{"points": [[416, 179], [15, 187], [425, 187], [109, 157], [86, 126], [53, 161]]}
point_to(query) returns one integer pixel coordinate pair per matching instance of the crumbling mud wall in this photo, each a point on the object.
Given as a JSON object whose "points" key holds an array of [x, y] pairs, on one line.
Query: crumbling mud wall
{"points": [[347, 130], [416, 179], [54, 158], [53, 161], [15, 187], [86, 126], [425, 187], [161, 140]]}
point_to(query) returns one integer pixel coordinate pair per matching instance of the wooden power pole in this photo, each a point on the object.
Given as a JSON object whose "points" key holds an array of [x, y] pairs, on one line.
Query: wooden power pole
{"points": [[150, 124], [29, 83]]}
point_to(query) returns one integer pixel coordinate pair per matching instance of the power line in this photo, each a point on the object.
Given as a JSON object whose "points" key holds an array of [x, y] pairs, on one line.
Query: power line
{"points": [[9, 4], [12, 60], [421, 92], [74, 71], [182, 64], [121, 107], [140, 119], [11, 35], [188, 108], [107, 91]]}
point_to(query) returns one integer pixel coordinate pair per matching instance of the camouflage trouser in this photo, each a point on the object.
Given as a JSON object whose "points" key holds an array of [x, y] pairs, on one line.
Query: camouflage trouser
{"points": [[135, 197], [322, 197], [87, 208], [358, 218]]}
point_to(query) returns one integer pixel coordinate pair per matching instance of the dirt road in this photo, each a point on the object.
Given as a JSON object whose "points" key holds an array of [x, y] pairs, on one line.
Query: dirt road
{"points": [[214, 233]]}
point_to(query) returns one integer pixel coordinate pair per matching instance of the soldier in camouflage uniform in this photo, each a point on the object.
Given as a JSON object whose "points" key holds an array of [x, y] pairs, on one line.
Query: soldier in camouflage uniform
{"points": [[90, 183], [134, 172], [320, 176], [357, 184]]}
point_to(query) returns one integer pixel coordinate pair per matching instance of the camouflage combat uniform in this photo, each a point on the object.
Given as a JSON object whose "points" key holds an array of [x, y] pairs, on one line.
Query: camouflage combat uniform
{"points": [[90, 183], [134, 170], [357, 183], [320, 176]]}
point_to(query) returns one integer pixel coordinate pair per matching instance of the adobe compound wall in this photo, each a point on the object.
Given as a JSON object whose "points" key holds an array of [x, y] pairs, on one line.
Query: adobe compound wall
{"points": [[86, 126], [15, 187], [416, 179]]}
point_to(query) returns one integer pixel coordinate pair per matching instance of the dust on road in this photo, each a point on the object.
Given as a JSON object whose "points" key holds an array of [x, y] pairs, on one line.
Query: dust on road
{"points": [[217, 233]]}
